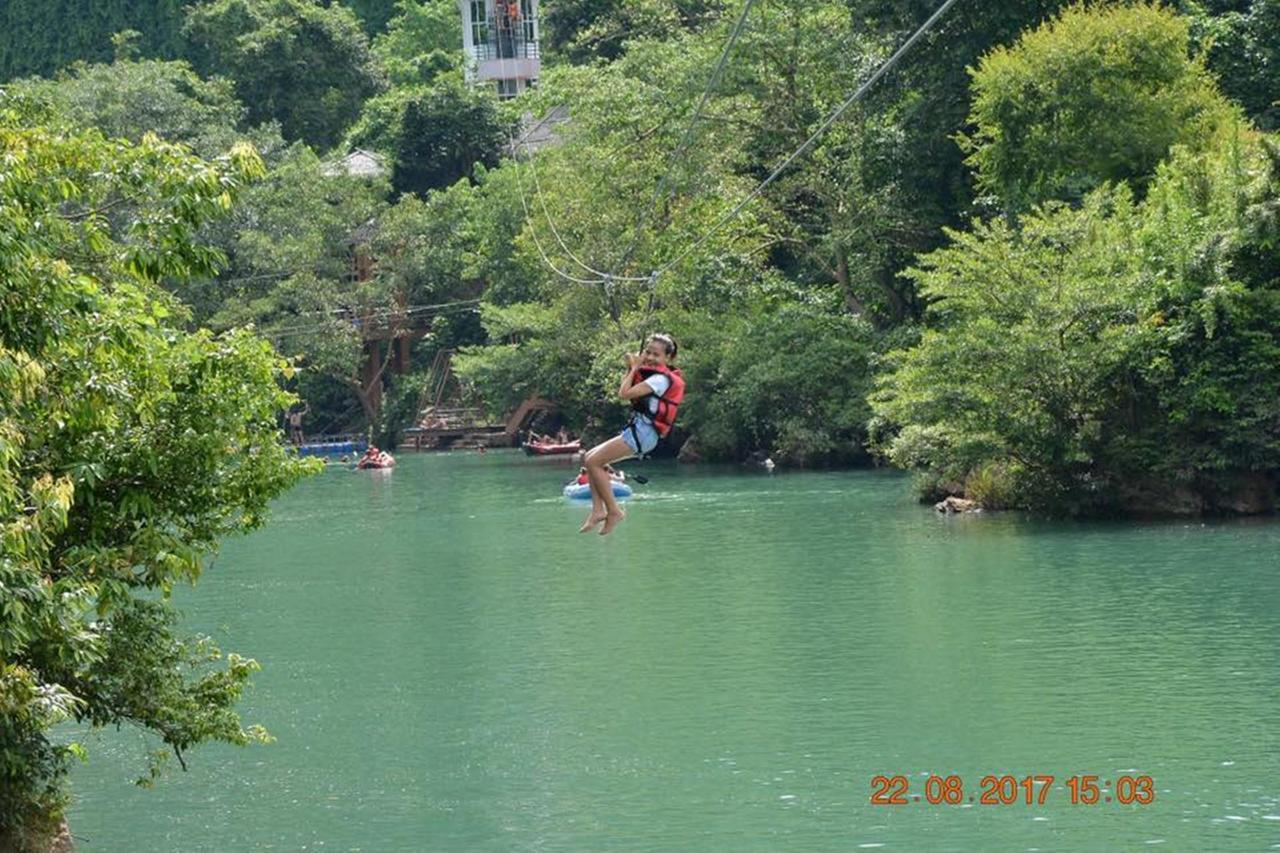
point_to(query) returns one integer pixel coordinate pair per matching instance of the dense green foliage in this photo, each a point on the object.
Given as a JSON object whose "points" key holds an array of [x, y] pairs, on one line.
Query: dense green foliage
{"points": [[127, 99], [421, 42], [1116, 355], [374, 14], [827, 243], [43, 36], [587, 29], [294, 62], [434, 135], [1244, 51], [1038, 264], [128, 449], [1090, 98]]}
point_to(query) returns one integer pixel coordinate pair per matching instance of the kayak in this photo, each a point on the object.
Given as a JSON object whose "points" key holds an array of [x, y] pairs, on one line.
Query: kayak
{"points": [[575, 492], [552, 449]]}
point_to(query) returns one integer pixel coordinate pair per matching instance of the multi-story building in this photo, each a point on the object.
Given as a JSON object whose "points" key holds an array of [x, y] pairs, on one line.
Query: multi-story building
{"points": [[500, 38]]}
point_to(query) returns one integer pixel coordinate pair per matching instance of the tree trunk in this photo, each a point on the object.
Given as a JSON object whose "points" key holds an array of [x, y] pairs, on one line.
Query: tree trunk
{"points": [[897, 305], [852, 303]]}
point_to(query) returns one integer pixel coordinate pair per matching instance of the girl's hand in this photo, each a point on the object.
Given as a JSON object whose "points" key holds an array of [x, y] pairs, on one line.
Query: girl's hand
{"points": [[633, 359]]}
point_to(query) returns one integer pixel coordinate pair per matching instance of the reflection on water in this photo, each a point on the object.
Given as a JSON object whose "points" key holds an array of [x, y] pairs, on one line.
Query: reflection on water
{"points": [[449, 665]]}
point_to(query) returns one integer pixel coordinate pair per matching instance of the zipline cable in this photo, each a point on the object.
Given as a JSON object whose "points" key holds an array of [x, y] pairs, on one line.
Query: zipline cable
{"points": [[808, 144], [533, 232], [712, 82], [672, 160], [659, 196], [604, 276]]}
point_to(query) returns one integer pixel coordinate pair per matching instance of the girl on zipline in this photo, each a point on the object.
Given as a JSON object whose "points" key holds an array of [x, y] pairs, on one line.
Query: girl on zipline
{"points": [[655, 388]]}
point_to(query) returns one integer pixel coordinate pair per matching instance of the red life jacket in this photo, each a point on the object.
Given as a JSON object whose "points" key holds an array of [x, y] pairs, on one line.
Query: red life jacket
{"points": [[668, 404]]}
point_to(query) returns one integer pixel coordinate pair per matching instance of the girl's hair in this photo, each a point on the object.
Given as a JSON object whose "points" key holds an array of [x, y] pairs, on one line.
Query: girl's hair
{"points": [[668, 343]]}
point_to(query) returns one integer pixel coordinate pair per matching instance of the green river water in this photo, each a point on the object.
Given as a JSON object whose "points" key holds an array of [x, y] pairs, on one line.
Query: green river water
{"points": [[449, 666]]}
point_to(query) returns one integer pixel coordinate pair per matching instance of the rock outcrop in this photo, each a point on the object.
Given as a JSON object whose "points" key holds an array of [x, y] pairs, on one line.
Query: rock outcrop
{"points": [[954, 505], [689, 452]]}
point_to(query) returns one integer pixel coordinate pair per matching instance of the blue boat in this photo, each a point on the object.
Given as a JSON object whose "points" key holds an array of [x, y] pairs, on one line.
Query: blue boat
{"points": [[575, 492]]}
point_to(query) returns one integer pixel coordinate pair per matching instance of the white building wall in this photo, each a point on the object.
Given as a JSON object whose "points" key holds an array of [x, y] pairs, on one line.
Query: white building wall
{"points": [[484, 62]]}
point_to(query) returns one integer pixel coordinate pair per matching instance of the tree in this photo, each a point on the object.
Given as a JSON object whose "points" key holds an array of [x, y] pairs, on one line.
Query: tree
{"points": [[1093, 96], [127, 99], [435, 135], [844, 203], [421, 42], [585, 30], [1029, 325], [128, 449], [291, 245], [792, 382], [919, 107], [374, 13], [304, 65], [1118, 356], [1244, 52], [43, 36]]}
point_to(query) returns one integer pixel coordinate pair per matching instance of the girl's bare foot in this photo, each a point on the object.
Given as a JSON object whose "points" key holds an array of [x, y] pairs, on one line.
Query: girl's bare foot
{"points": [[592, 521], [611, 521]]}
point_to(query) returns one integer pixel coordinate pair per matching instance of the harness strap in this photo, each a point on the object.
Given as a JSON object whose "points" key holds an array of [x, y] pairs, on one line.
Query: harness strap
{"points": [[635, 436]]}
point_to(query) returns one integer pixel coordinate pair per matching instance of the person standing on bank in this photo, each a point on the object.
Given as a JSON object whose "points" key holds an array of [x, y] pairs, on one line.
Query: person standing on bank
{"points": [[654, 387], [295, 424]]}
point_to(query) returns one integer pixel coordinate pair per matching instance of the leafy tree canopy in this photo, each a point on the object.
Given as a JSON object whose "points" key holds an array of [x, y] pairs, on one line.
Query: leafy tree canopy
{"points": [[1093, 96], [298, 63], [128, 449], [127, 99]]}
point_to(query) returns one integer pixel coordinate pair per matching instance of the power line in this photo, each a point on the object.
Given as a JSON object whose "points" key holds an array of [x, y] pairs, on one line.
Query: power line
{"points": [[823, 128], [384, 314], [387, 311], [411, 309]]}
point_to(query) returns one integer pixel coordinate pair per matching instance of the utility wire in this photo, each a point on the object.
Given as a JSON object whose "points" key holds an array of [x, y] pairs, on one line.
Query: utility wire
{"points": [[439, 310], [524, 204], [604, 276]]}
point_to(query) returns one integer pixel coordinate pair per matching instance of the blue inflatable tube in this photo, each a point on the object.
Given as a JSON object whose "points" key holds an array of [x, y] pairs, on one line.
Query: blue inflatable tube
{"points": [[575, 492]]}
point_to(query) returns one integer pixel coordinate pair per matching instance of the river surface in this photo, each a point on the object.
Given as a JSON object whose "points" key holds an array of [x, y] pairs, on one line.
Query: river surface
{"points": [[448, 665]]}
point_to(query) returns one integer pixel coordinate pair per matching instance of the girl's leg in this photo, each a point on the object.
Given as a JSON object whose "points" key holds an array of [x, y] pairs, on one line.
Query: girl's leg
{"points": [[598, 512], [613, 450], [598, 509]]}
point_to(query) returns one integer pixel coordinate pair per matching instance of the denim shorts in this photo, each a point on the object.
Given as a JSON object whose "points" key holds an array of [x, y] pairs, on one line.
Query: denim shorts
{"points": [[643, 430]]}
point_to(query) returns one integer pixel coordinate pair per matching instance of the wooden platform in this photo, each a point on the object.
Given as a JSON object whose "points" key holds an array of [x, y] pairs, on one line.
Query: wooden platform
{"points": [[455, 428], [420, 438]]}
